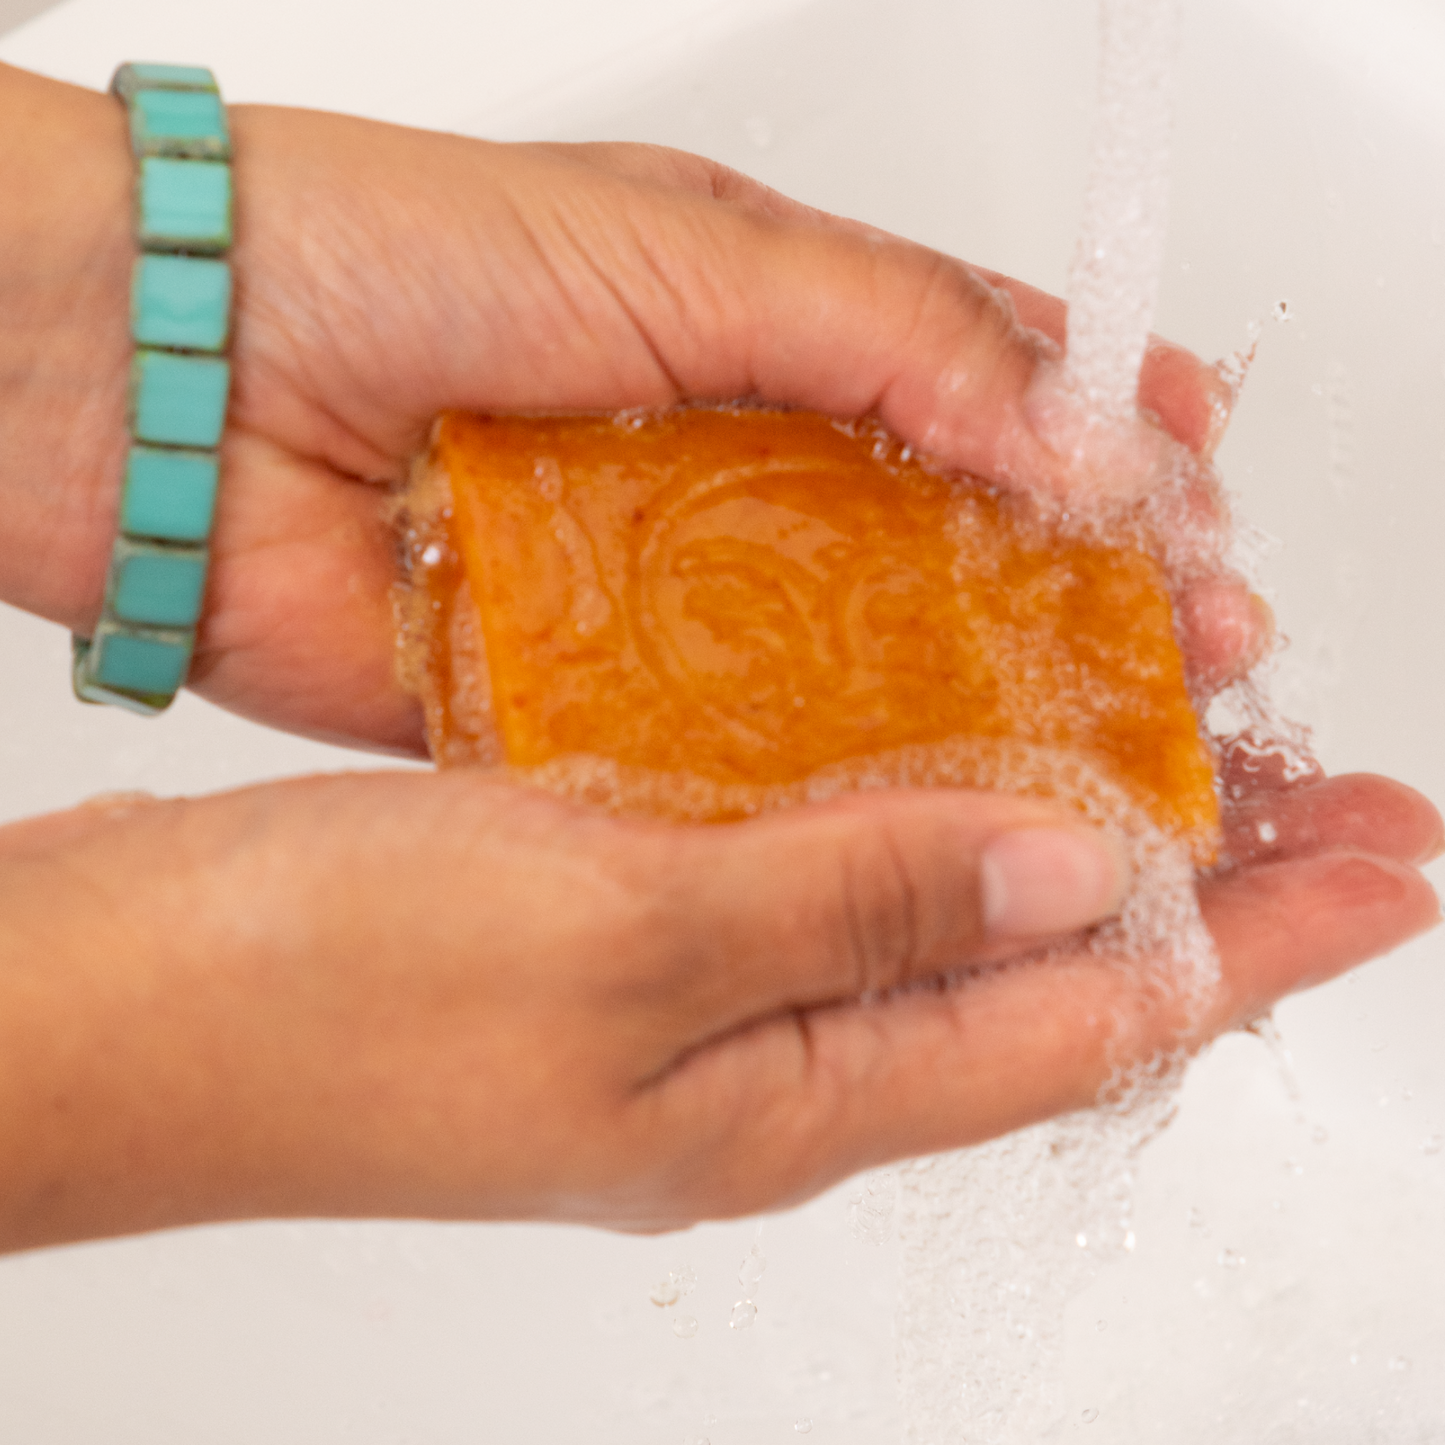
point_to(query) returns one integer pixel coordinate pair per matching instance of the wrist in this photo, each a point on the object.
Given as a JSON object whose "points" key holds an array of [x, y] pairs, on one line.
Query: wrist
{"points": [[65, 260]]}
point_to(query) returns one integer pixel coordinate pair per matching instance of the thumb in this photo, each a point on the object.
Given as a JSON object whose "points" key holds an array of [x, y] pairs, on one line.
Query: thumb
{"points": [[877, 891]]}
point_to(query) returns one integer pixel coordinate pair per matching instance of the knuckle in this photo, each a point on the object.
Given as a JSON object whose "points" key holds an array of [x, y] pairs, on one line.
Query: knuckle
{"points": [[877, 908]]}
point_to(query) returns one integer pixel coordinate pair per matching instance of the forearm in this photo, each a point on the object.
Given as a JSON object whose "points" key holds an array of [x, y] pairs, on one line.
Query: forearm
{"points": [[98, 1093], [65, 259]]}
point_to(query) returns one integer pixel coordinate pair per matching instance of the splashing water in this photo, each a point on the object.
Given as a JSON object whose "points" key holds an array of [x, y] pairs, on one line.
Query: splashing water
{"points": [[870, 1211], [997, 1239], [750, 1272]]}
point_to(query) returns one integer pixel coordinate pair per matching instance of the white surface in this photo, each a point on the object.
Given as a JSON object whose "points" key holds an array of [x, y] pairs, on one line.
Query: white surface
{"points": [[1309, 167], [427, 63]]}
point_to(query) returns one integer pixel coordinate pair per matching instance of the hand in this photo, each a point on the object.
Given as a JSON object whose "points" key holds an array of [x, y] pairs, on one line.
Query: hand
{"points": [[385, 274], [444, 996]]}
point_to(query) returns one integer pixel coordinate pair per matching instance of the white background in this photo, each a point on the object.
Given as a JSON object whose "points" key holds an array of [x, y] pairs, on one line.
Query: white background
{"points": [[1310, 168]]}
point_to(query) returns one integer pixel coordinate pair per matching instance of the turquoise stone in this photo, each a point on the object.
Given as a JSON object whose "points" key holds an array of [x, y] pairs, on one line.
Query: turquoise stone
{"points": [[157, 586], [169, 122], [181, 301], [184, 205], [178, 400], [170, 495], [128, 662]]}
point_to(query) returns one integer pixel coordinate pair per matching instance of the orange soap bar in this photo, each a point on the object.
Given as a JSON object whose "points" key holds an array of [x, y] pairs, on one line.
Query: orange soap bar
{"points": [[750, 599]]}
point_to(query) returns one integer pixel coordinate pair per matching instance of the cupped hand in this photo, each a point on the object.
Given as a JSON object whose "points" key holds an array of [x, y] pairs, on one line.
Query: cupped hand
{"points": [[386, 274], [449, 997]]}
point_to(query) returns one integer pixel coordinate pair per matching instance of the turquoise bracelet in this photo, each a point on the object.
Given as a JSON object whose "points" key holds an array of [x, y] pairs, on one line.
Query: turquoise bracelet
{"points": [[140, 651]]}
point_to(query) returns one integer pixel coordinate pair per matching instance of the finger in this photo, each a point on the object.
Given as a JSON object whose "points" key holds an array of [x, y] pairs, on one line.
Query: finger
{"points": [[1286, 926], [621, 292], [1252, 763], [1190, 398], [872, 892], [1225, 629], [1355, 811], [812, 1097]]}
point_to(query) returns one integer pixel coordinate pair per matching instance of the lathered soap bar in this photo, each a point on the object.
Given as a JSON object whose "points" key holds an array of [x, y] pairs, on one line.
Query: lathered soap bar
{"points": [[710, 611]]}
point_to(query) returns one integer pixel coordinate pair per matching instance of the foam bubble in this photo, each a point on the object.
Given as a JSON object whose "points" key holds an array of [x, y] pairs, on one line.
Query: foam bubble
{"points": [[1029, 1218]]}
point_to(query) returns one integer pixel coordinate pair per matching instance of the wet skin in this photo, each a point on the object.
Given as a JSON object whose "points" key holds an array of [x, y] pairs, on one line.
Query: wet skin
{"points": [[443, 996]]}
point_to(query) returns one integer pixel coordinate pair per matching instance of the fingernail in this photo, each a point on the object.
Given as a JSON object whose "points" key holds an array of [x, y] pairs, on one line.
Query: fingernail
{"points": [[1049, 880]]}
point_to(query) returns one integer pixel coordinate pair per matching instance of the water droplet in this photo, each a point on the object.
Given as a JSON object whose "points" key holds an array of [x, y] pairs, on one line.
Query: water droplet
{"points": [[1294, 1167], [1231, 1259], [750, 1271], [1280, 311], [1398, 1365], [803, 1426], [684, 1327], [1129, 1240], [1319, 1134], [1431, 1145], [685, 1279], [1268, 833], [1088, 1416], [1082, 1240], [743, 1315], [1101, 1325], [665, 1293], [431, 554], [1354, 1359]]}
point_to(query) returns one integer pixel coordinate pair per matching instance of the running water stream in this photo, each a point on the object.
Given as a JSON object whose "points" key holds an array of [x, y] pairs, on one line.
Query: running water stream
{"points": [[1114, 279], [997, 1239]]}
